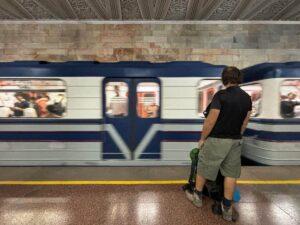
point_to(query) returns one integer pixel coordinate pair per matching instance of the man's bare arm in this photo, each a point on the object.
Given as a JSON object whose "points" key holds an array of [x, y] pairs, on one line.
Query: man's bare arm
{"points": [[245, 123], [209, 123]]}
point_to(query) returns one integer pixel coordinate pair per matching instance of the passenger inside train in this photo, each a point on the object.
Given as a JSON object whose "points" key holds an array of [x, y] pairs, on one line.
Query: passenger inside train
{"points": [[32, 98], [117, 103], [148, 100], [290, 99]]}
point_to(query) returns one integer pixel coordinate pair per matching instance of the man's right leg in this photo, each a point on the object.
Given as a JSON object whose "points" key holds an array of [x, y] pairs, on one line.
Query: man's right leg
{"points": [[228, 211], [231, 170]]}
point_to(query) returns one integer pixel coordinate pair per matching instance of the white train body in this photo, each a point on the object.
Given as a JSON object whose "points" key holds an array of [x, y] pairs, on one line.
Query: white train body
{"points": [[162, 123], [271, 138]]}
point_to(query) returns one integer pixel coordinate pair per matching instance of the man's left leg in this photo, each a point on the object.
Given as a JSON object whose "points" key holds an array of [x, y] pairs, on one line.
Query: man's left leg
{"points": [[196, 197], [200, 182], [210, 158]]}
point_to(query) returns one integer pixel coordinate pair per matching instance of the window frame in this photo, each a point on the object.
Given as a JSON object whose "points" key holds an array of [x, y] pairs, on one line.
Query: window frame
{"points": [[159, 100], [197, 97], [279, 96], [262, 93], [37, 90], [128, 105]]}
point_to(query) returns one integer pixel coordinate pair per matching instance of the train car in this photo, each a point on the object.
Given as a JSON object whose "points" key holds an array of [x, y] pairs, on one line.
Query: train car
{"points": [[273, 134], [136, 113], [91, 113]]}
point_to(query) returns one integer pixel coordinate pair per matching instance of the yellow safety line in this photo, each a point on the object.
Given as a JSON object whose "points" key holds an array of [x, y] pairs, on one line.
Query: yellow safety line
{"points": [[141, 182], [274, 182]]}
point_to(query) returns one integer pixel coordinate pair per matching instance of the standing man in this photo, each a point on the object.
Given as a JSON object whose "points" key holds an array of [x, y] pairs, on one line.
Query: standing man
{"points": [[220, 143]]}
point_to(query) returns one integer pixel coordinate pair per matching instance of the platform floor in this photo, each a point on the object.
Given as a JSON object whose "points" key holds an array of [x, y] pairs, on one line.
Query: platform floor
{"points": [[136, 173], [138, 204]]}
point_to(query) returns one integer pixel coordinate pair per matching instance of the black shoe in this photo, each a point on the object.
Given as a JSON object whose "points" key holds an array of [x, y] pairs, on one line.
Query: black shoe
{"points": [[216, 208]]}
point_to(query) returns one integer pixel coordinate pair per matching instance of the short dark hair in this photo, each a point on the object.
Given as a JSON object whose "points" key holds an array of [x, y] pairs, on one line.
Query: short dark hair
{"points": [[231, 75]]}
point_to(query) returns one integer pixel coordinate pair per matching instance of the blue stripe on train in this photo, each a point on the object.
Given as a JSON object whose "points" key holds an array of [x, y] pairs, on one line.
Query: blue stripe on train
{"points": [[259, 135], [96, 136], [181, 136]]}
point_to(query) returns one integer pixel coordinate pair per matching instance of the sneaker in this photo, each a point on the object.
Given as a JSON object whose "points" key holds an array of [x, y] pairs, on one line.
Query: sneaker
{"points": [[194, 197], [229, 214], [189, 194]]}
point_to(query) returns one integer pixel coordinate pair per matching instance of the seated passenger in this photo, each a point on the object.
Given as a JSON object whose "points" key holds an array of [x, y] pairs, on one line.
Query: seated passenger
{"points": [[52, 112], [57, 107], [287, 105], [42, 101], [20, 105]]}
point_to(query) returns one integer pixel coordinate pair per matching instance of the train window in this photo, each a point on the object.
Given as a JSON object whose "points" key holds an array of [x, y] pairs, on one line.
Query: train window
{"points": [[206, 91], [148, 100], [32, 98], [255, 92], [290, 99], [116, 99]]}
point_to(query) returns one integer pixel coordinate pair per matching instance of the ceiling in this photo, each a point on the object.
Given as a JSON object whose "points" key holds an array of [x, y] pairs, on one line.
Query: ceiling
{"points": [[150, 10]]}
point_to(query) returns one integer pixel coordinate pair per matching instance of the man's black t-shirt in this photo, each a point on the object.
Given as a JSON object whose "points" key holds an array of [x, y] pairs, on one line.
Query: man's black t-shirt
{"points": [[234, 104]]}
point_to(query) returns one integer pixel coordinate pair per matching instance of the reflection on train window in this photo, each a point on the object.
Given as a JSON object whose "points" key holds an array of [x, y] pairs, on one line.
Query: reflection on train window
{"points": [[148, 100], [116, 99], [206, 91], [32, 98], [255, 92], [290, 99]]}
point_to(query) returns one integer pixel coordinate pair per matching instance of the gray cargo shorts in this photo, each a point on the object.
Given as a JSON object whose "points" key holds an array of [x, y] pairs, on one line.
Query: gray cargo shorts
{"points": [[220, 154]]}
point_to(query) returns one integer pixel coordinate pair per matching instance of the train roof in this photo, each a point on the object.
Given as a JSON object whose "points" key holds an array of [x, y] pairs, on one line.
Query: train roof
{"points": [[271, 70], [115, 69]]}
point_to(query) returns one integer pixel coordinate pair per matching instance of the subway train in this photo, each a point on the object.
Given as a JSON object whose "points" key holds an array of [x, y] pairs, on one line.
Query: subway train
{"points": [[136, 113], [273, 134]]}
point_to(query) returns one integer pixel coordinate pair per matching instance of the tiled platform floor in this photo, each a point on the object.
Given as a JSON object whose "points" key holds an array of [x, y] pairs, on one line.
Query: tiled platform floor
{"points": [[136, 173], [141, 204]]}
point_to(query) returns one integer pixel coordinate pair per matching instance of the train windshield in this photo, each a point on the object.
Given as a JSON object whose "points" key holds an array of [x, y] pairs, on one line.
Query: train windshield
{"points": [[32, 98]]}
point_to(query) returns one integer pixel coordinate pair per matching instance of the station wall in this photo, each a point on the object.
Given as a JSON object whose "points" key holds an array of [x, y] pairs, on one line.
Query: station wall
{"points": [[240, 44]]}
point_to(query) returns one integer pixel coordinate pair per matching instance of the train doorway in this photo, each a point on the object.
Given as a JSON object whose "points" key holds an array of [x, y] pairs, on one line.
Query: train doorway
{"points": [[131, 110]]}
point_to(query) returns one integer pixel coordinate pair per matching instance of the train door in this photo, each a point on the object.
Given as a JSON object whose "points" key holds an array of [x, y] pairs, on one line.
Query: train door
{"points": [[131, 114]]}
